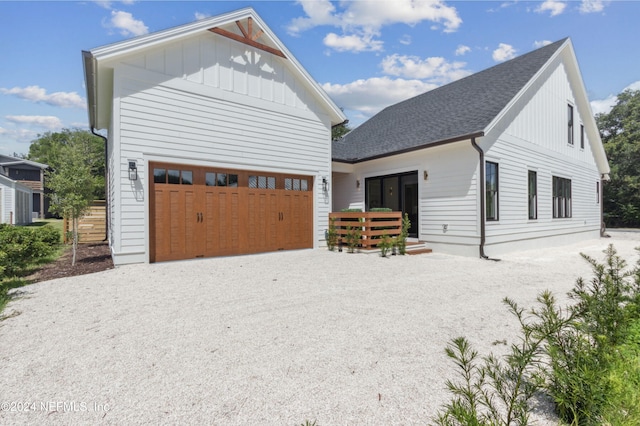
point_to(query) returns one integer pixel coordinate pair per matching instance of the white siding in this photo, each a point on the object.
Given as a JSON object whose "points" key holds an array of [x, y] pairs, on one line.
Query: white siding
{"points": [[205, 112], [536, 139], [447, 197], [16, 202], [219, 62]]}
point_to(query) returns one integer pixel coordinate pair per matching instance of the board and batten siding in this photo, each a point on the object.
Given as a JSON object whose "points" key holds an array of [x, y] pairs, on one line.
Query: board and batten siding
{"points": [[537, 139], [197, 118]]}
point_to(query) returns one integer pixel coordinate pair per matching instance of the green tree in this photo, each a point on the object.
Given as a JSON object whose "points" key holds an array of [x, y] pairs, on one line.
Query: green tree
{"points": [[49, 148], [339, 131], [72, 184], [620, 132]]}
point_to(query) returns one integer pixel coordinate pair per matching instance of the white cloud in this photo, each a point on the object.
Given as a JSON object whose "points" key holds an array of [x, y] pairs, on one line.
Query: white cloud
{"points": [[38, 94], [541, 43], [593, 6], [45, 121], [555, 7], [462, 49], [604, 106], [126, 24], [372, 95], [436, 69], [406, 40], [354, 43], [361, 20], [200, 16], [504, 52]]}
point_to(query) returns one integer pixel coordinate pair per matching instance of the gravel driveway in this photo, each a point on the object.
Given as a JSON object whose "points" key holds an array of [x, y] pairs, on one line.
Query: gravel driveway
{"points": [[275, 338]]}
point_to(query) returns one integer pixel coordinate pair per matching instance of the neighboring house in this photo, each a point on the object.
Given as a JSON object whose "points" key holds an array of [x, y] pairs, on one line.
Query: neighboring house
{"points": [[508, 158], [15, 202], [219, 142], [31, 174]]}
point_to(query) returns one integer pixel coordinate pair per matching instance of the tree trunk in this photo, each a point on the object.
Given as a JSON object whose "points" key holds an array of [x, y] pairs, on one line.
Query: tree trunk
{"points": [[75, 240]]}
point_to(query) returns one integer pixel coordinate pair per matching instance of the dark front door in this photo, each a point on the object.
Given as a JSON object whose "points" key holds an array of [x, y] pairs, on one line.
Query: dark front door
{"points": [[397, 192]]}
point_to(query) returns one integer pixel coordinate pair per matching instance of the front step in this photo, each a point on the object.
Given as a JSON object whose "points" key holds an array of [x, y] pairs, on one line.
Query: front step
{"points": [[416, 247]]}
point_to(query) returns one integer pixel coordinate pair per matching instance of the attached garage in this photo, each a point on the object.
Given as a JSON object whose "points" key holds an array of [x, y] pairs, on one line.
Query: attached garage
{"points": [[218, 142], [204, 212]]}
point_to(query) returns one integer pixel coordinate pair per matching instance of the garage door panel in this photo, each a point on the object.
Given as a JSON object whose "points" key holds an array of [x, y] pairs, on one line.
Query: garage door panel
{"points": [[216, 213]]}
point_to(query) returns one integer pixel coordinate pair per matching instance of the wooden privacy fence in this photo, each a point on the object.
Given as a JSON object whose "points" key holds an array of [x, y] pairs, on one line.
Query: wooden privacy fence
{"points": [[373, 226], [92, 226]]}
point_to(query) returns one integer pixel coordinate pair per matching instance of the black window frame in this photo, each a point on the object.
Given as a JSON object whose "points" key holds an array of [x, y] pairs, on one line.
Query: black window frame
{"points": [[532, 184], [570, 124], [492, 193], [582, 136], [561, 198]]}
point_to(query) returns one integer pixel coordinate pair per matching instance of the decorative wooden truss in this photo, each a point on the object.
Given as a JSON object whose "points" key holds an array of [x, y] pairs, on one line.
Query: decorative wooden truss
{"points": [[248, 37]]}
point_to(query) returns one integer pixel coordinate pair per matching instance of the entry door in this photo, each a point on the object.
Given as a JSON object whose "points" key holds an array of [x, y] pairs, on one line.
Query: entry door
{"points": [[397, 192]]}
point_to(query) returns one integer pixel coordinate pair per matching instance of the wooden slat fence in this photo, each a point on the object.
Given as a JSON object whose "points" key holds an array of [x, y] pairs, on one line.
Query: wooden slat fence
{"points": [[92, 226], [373, 226]]}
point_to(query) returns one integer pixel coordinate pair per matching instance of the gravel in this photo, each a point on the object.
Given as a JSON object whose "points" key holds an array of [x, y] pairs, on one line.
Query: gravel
{"points": [[276, 338]]}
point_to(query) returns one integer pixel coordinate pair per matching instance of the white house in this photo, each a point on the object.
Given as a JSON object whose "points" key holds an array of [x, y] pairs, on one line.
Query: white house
{"points": [[508, 158], [15, 202], [219, 142]]}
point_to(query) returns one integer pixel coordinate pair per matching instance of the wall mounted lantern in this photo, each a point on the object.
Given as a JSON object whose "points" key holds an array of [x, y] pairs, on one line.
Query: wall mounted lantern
{"points": [[325, 184], [358, 183], [133, 171], [426, 175]]}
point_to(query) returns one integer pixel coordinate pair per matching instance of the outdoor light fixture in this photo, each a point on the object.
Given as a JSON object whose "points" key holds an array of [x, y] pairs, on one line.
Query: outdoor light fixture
{"points": [[325, 184], [426, 175], [358, 183], [133, 171]]}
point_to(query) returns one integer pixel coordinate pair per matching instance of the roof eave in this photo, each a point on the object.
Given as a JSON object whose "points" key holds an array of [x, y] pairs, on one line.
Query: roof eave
{"points": [[433, 144]]}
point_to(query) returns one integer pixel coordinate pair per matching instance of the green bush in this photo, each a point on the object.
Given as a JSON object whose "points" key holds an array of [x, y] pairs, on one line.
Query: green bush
{"points": [[380, 210], [332, 235], [21, 246], [351, 210], [586, 356], [385, 245]]}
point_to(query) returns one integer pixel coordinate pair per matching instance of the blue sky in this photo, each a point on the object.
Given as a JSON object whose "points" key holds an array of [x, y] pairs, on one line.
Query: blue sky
{"points": [[366, 54]]}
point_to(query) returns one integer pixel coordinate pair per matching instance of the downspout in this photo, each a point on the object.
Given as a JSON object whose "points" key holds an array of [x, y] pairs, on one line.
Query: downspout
{"points": [[603, 227], [483, 235], [106, 182]]}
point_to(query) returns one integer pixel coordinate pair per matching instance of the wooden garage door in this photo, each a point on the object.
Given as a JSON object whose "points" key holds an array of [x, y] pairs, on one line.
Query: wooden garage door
{"points": [[204, 212]]}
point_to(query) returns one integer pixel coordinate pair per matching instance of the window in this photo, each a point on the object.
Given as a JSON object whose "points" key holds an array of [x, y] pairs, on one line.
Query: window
{"points": [[561, 197], [570, 124], [533, 195], [598, 192], [220, 179], [581, 136], [491, 188], [173, 176]]}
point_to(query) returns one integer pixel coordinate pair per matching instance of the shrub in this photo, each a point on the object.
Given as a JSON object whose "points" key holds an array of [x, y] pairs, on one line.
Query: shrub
{"points": [[21, 246], [353, 237], [332, 235], [585, 356], [401, 240], [385, 245], [380, 210]]}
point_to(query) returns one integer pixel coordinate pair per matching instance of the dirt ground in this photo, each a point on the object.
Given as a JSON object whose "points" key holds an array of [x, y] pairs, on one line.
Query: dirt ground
{"points": [[90, 258]]}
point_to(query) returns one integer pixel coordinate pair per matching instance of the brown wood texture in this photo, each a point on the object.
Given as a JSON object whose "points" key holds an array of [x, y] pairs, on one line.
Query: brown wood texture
{"points": [[373, 225], [197, 220], [92, 226], [248, 37]]}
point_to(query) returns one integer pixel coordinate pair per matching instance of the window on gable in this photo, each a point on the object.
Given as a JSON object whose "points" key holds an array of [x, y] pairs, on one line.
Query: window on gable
{"points": [[581, 136], [491, 188], [533, 195], [598, 192], [561, 197], [570, 124]]}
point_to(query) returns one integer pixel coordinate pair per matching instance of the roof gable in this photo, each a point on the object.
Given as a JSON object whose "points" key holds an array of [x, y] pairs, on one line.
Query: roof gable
{"points": [[243, 26], [17, 163], [456, 111]]}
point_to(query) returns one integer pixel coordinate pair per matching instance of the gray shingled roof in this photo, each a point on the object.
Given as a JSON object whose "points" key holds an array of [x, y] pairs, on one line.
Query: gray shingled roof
{"points": [[462, 108]]}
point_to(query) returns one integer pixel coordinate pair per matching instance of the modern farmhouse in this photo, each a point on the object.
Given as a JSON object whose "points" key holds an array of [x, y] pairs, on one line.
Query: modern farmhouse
{"points": [[507, 158], [219, 142]]}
